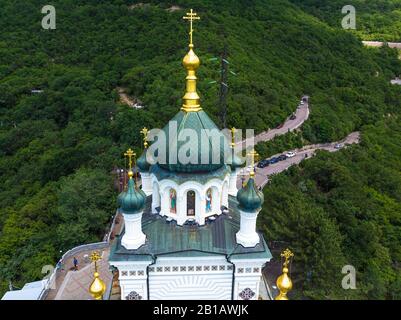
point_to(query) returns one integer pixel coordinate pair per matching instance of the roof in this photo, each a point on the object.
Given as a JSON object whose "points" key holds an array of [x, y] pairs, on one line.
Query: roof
{"points": [[214, 238], [207, 157], [180, 177], [30, 291]]}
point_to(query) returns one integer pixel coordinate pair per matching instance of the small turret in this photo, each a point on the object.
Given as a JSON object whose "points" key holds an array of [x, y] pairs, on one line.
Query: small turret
{"points": [[284, 283], [97, 287], [250, 201], [132, 206]]}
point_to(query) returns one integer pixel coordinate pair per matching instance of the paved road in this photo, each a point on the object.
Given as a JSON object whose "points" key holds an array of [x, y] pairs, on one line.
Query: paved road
{"points": [[396, 45], [262, 174], [301, 113]]}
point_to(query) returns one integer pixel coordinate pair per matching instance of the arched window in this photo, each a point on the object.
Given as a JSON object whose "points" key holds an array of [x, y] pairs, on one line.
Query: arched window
{"points": [[209, 199], [173, 201], [191, 203]]}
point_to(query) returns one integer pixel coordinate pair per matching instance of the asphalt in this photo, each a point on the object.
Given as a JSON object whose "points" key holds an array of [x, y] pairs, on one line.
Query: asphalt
{"points": [[262, 174]]}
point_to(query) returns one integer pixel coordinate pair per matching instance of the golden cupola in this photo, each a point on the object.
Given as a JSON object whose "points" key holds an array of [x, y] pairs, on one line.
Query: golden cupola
{"points": [[97, 287], [191, 63], [284, 283]]}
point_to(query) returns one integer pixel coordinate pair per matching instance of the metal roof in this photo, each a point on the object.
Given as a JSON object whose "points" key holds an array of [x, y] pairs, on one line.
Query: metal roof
{"points": [[167, 238]]}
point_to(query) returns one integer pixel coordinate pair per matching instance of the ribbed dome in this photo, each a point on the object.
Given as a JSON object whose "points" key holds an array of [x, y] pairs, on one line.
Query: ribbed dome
{"points": [[134, 199], [202, 141], [120, 198], [142, 163], [236, 161], [250, 199]]}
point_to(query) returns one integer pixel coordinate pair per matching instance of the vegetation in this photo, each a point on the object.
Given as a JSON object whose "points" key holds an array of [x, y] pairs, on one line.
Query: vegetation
{"points": [[58, 147], [378, 20], [343, 209]]}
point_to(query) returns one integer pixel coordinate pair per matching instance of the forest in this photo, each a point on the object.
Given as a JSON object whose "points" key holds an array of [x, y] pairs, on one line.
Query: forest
{"points": [[378, 20], [63, 129]]}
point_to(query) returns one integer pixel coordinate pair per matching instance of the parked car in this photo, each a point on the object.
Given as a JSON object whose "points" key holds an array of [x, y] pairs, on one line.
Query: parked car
{"points": [[263, 163], [290, 154], [282, 157], [293, 116], [302, 103], [338, 145], [273, 160]]}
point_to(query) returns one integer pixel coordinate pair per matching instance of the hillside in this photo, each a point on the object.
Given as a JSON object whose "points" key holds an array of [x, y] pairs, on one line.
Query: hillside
{"points": [[58, 147], [378, 20]]}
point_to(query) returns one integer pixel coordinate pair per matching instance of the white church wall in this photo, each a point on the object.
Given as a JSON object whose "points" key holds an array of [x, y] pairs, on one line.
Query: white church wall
{"points": [[133, 279], [247, 278], [219, 191], [191, 278]]}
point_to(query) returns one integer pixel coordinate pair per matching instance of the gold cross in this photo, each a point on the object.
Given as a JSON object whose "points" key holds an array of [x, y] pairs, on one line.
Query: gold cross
{"points": [[287, 254], [95, 257], [130, 154], [191, 16], [254, 157], [145, 131]]}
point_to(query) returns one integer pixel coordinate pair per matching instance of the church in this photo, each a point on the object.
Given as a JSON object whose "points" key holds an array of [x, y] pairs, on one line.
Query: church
{"points": [[189, 233]]}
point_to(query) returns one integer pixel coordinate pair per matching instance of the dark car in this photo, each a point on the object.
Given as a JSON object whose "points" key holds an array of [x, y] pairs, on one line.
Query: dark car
{"points": [[293, 117], [263, 163], [282, 157], [273, 160]]}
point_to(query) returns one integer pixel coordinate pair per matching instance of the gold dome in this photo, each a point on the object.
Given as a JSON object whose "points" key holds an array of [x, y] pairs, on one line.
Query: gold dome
{"points": [[191, 60], [284, 283], [130, 173], [97, 287]]}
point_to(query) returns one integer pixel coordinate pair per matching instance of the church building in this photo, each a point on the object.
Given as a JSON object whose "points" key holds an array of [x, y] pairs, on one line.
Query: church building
{"points": [[189, 233]]}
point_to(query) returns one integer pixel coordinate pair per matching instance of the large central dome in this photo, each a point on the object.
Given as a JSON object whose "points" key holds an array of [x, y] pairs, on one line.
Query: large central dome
{"points": [[194, 143]]}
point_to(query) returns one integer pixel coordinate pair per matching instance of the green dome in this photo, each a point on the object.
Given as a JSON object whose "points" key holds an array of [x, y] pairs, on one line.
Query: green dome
{"points": [[133, 200], [249, 197], [120, 198], [198, 122], [142, 163], [236, 161]]}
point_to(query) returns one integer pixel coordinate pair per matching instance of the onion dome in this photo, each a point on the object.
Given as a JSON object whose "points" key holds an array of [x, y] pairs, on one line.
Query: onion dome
{"points": [[97, 287], [284, 284], [205, 147], [142, 163], [203, 152], [236, 161], [134, 199], [120, 198], [249, 197]]}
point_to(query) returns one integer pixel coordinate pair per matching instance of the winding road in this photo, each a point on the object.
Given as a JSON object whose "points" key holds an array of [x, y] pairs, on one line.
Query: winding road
{"points": [[302, 113]]}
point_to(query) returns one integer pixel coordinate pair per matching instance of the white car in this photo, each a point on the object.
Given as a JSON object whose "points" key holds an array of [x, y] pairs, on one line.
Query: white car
{"points": [[290, 154], [338, 146]]}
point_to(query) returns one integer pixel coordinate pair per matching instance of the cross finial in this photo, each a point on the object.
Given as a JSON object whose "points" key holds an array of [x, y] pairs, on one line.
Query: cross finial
{"points": [[145, 131], [191, 16], [287, 255], [254, 157], [130, 154], [95, 257]]}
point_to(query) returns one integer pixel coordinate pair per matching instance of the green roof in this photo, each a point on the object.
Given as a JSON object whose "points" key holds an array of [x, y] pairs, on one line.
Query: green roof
{"points": [[249, 197], [207, 153], [179, 177], [164, 238]]}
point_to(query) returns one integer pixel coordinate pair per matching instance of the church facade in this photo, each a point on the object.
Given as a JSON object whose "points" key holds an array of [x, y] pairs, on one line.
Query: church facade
{"points": [[189, 233]]}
